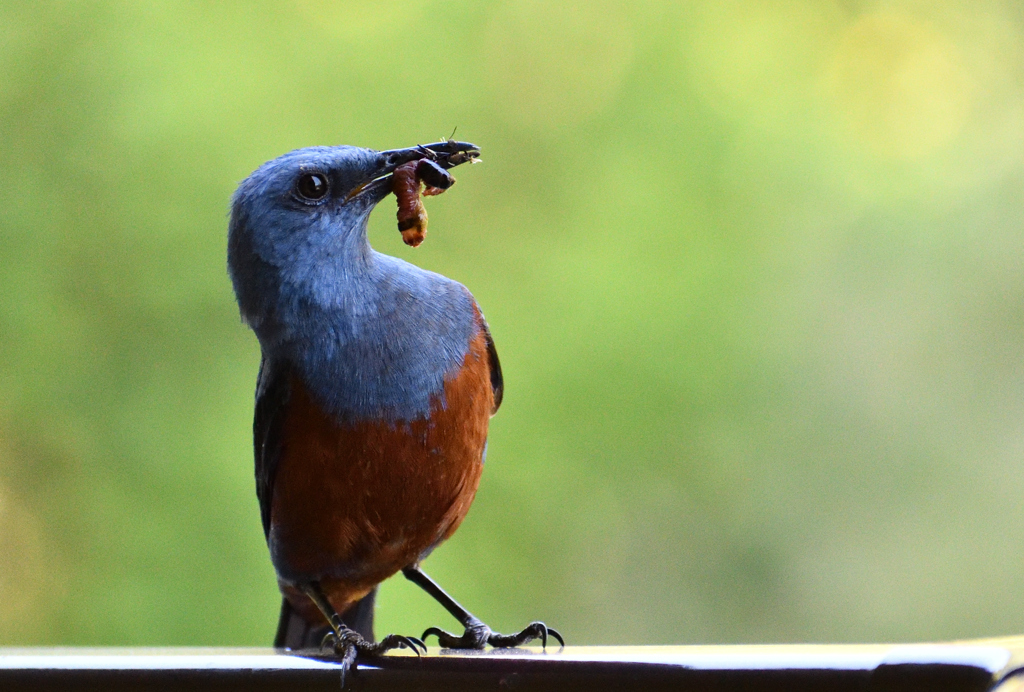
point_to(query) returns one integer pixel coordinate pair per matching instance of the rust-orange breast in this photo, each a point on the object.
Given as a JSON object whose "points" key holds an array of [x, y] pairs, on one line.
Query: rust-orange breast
{"points": [[354, 504]]}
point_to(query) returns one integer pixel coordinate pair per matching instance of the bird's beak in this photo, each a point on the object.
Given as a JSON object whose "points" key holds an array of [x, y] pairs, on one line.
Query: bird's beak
{"points": [[447, 154]]}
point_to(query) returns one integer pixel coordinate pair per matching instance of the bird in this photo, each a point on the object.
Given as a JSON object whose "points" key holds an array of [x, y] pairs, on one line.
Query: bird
{"points": [[375, 388]]}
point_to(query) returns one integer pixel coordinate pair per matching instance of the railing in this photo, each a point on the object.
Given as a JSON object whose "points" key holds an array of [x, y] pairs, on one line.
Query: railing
{"points": [[971, 666]]}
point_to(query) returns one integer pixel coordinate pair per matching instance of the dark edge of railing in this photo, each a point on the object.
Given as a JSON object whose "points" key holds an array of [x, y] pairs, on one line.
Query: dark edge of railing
{"points": [[957, 667]]}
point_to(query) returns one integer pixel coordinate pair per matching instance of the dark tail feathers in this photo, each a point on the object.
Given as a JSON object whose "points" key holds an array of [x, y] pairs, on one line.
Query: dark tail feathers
{"points": [[293, 632]]}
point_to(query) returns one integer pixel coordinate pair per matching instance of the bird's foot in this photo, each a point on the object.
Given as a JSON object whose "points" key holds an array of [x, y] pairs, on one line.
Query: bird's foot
{"points": [[347, 644], [478, 635], [346, 639]]}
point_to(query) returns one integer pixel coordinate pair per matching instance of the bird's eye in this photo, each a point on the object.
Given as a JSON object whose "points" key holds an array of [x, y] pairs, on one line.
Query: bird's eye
{"points": [[312, 187]]}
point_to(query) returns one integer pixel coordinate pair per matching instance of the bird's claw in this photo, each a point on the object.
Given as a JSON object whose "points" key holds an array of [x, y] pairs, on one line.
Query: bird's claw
{"points": [[535, 630], [478, 635], [345, 647], [399, 641], [341, 642], [347, 644]]}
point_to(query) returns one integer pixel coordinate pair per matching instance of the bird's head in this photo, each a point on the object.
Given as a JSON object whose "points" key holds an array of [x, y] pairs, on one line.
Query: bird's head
{"points": [[299, 221]]}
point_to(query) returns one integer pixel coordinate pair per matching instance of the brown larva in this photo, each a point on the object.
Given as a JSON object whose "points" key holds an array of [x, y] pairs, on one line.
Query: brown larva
{"points": [[407, 178]]}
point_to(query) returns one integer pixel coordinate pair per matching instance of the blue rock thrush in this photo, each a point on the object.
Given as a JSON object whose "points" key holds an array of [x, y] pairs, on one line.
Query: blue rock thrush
{"points": [[373, 397]]}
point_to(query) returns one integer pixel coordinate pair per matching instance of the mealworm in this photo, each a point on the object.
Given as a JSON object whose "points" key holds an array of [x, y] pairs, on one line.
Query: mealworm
{"points": [[407, 180]]}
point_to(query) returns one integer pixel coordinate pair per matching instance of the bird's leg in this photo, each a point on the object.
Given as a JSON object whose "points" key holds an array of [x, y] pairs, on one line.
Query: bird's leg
{"points": [[477, 635], [347, 643]]}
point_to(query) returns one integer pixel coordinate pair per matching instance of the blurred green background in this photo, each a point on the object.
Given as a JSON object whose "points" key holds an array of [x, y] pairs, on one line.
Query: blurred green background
{"points": [[755, 270]]}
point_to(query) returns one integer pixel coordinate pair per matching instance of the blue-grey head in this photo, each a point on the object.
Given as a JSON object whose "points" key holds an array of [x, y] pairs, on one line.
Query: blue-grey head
{"points": [[298, 224]]}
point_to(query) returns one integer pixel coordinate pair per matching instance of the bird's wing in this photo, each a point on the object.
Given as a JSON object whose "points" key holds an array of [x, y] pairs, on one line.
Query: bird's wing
{"points": [[497, 381], [272, 393]]}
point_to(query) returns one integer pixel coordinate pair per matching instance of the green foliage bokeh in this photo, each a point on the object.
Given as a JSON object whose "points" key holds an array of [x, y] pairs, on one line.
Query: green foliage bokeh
{"points": [[755, 271]]}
